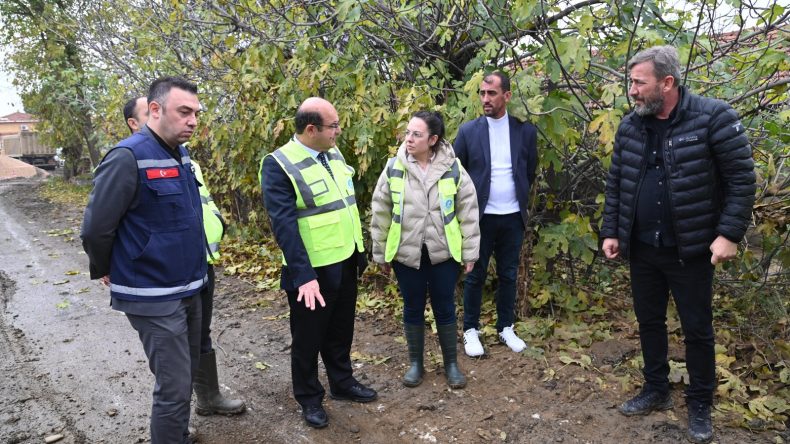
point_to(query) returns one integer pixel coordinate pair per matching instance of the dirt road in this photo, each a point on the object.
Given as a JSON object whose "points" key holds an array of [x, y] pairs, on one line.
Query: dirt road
{"points": [[73, 366]]}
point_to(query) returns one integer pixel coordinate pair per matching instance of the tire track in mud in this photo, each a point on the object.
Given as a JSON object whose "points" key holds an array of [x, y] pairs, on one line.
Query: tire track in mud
{"points": [[30, 409]]}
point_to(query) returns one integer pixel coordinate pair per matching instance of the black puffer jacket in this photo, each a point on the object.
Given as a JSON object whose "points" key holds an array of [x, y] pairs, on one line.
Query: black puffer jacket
{"points": [[710, 172]]}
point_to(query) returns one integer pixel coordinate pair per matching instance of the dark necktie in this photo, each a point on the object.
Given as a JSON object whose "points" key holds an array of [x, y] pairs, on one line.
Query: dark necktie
{"points": [[322, 159]]}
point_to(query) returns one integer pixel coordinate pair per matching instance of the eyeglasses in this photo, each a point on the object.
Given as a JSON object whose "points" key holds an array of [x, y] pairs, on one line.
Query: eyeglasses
{"points": [[334, 126], [415, 134]]}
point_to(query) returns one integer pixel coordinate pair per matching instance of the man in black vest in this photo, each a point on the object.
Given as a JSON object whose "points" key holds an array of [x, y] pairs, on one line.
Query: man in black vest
{"points": [[143, 233], [678, 200]]}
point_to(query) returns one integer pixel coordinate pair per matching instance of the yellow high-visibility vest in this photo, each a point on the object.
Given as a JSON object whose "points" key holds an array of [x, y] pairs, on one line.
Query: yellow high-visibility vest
{"points": [[212, 223], [326, 207], [448, 188]]}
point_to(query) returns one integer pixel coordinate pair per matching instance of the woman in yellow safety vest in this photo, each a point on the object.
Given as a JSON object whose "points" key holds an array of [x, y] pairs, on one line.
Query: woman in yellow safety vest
{"points": [[425, 223]]}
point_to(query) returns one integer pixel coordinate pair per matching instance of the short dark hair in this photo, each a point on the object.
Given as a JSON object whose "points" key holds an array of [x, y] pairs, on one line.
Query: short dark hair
{"points": [[304, 118], [128, 108], [161, 87], [128, 111], [504, 80], [435, 125]]}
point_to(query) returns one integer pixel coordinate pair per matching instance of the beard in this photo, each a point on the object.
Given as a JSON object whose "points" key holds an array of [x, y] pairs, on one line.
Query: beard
{"points": [[652, 104]]}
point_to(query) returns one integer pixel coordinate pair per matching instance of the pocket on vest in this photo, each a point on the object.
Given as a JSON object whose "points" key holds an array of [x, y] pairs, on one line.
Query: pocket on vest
{"points": [[169, 204], [166, 258], [166, 187], [318, 188], [325, 231]]}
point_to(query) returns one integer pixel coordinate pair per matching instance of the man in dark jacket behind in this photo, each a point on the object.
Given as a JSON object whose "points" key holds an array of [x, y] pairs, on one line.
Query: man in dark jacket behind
{"points": [[679, 197]]}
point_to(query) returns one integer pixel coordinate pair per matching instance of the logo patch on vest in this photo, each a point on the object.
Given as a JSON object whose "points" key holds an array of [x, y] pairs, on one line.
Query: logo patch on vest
{"points": [[162, 173], [448, 203]]}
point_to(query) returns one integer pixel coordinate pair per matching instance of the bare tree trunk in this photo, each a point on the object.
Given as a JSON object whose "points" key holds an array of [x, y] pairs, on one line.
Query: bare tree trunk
{"points": [[522, 284]]}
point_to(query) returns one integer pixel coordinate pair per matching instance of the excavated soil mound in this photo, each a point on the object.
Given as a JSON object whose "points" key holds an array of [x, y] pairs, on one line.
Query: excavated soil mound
{"points": [[11, 168]]}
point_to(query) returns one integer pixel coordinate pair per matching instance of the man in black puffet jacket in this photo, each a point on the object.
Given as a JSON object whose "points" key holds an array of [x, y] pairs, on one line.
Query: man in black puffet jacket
{"points": [[679, 197]]}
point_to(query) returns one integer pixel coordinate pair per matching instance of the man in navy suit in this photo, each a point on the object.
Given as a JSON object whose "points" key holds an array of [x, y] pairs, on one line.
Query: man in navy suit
{"points": [[500, 154], [308, 191]]}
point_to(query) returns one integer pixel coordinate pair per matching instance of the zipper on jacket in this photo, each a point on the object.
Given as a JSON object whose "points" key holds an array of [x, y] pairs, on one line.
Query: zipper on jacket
{"points": [[670, 154]]}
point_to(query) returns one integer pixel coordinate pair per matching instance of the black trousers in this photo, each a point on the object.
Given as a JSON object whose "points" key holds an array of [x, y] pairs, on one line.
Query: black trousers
{"points": [[326, 330], [655, 271]]}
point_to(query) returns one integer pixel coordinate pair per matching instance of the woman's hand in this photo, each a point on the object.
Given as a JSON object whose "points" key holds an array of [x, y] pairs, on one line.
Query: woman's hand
{"points": [[468, 267]]}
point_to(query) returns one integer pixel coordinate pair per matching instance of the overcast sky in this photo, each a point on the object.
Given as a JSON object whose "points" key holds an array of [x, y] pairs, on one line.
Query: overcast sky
{"points": [[9, 99]]}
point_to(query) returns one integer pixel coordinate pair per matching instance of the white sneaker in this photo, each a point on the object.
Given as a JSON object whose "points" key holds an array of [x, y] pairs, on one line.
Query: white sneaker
{"points": [[508, 336], [472, 345]]}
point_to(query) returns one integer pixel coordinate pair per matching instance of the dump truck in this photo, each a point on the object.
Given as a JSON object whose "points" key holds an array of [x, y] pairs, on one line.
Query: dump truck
{"points": [[26, 147]]}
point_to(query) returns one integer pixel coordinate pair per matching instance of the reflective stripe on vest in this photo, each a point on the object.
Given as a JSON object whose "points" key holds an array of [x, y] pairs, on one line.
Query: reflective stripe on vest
{"points": [[448, 188], [326, 207], [163, 291]]}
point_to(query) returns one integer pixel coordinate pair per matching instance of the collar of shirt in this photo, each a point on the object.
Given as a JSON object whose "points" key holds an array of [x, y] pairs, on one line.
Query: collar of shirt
{"points": [[496, 122], [310, 151], [651, 122]]}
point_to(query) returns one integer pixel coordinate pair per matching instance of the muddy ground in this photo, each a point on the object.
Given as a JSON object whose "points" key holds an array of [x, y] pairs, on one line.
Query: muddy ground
{"points": [[72, 366]]}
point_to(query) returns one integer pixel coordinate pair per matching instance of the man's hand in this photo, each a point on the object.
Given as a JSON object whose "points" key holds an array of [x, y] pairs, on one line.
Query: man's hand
{"points": [[611, 247], [105, 280], [468, 267], [311, 293], [722, 250]]}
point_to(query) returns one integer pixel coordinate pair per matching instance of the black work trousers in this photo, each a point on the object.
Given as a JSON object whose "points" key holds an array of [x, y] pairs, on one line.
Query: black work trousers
{"points": [[326, 330], [655, 271]]}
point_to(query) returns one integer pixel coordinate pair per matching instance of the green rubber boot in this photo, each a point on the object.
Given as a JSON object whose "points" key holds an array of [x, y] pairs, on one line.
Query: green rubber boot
{"points": [[206, 387], [415, 339], [449, 343]]}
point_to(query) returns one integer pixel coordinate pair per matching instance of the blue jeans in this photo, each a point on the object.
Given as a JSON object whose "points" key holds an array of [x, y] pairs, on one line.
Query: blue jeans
{"points": [[502, 235], [439, 279], [655, 273]]}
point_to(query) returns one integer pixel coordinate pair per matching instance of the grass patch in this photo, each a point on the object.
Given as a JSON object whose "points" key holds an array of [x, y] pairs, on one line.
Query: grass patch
{"points": [[59, 191]]}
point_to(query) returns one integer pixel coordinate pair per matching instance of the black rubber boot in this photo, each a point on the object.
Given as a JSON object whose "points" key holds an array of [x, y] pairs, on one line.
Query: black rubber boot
{"points": [[449, 343], [206, 387], [415, 339]]}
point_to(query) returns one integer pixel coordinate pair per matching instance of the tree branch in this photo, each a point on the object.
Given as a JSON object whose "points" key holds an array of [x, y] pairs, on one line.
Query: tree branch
{"points": [[763, 88]]}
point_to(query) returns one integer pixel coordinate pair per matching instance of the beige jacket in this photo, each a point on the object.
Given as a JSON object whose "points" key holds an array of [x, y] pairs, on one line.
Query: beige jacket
{"points": [[422, 215]]}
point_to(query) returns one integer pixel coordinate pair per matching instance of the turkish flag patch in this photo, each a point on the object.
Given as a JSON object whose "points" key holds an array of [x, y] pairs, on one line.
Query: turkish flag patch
{"points": [[162, 173]]}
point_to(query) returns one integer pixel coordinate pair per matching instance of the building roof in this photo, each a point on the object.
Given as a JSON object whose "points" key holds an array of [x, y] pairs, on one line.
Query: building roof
{"points": [[18, 117]]}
